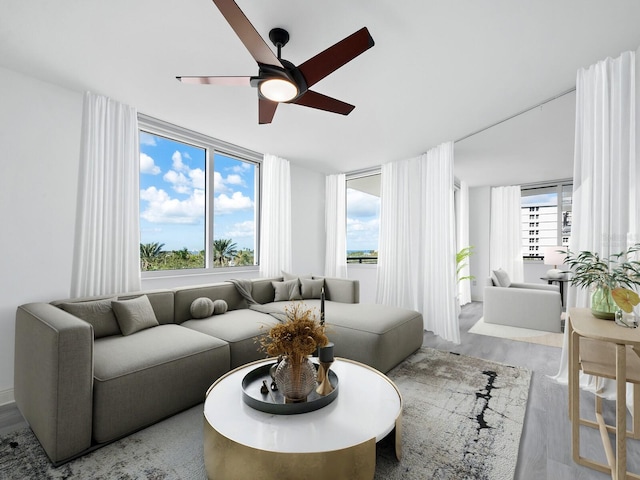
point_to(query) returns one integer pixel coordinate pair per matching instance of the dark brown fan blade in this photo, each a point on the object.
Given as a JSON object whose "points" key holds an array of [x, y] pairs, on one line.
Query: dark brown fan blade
{"points": [[266, 110], [232, 81], [252, 40], [328, 61], [322, 102]]}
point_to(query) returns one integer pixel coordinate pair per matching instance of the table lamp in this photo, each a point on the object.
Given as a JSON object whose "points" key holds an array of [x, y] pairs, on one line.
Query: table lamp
{"points": [[555, 256]]}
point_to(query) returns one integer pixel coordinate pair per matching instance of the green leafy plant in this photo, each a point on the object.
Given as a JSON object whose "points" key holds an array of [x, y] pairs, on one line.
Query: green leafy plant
{"points": [[461, 262], [615, 275]]}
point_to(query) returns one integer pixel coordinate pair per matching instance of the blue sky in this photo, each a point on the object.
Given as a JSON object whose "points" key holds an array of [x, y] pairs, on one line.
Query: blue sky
{"points": [[540, 200], [363, 220], [172, 196]]}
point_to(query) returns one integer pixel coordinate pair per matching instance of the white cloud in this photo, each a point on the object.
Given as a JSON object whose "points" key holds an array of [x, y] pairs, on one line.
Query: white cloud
{"points": [[162, 208], [234, 180], [178, 165], [147, 139], [241, 167], [148, 165], [360, 204], [223, 204], [197, 178], [179, 182], [240, 230]]}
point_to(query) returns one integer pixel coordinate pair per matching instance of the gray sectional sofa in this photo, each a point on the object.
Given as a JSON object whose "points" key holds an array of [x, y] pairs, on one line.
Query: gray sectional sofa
{"points": [[82, 383]]}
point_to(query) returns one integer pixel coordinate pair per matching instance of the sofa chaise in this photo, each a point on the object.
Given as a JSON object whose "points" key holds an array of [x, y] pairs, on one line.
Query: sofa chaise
{"points": [[89, 371]]}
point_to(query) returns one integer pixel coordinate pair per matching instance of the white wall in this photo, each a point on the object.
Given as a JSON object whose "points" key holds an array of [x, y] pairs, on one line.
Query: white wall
{"points": [[479, 229], [40, 143]]}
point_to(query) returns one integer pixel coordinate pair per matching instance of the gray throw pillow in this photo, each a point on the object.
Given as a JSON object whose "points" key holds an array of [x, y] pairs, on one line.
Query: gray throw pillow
{"points": [[288, 290], [201, 307], [135, 314], [501, 277], [220, 307], [98, 313], [311, 288]]}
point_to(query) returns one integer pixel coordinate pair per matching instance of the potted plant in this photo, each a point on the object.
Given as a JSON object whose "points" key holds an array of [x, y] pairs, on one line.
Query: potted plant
{"points": [[611, 280]]}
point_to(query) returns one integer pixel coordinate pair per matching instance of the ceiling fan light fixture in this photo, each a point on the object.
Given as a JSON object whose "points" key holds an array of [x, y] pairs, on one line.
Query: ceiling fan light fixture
{"points": [[278, 90]]}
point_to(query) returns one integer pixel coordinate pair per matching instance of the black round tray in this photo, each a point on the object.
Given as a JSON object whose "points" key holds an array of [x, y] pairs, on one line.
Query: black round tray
{"points": [[273, 402]]}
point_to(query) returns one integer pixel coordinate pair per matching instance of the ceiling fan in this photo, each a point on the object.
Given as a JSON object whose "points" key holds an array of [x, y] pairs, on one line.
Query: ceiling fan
{"points": [[280, 81]]}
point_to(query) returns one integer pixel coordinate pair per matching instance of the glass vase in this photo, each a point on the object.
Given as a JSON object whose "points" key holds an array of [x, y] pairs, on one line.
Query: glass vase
{"points": [[296, 378], [602, 304], [624, 319]]}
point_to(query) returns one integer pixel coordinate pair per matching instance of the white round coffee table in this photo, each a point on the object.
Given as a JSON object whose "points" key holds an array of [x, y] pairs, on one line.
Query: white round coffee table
{"points": [[337, 441]]}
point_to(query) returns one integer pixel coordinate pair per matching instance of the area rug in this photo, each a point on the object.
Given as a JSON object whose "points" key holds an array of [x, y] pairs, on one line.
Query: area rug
{"points": [[540, 337], [462, 418]]}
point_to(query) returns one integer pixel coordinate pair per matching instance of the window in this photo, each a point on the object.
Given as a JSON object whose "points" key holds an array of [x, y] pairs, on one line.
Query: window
{"points": [[198, 201], [363, 217], [552, 206]]}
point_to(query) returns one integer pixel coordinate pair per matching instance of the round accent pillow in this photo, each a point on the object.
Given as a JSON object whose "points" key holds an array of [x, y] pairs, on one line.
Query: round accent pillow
{"points": [[201, 307], [220, 307]]}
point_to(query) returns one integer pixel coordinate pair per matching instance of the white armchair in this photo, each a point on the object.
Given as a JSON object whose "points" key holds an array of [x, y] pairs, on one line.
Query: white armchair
{"points": [[525, 305]]}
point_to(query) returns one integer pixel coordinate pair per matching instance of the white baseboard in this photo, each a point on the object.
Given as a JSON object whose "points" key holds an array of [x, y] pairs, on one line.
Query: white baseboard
{"points": [[6, 397]]}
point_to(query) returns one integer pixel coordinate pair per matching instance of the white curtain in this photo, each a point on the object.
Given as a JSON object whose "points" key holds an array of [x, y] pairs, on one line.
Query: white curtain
{"points": [[275, 227], [505, 235], [416, 263], [606, 209], [462, 234], [335, 226], [107, 238]]}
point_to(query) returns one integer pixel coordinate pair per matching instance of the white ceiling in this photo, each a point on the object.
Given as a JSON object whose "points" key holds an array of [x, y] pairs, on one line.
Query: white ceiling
{"points": [[439, 71]]}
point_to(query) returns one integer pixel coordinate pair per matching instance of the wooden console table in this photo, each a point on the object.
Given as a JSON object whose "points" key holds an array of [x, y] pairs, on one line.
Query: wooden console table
{"points": [[606, 350]]}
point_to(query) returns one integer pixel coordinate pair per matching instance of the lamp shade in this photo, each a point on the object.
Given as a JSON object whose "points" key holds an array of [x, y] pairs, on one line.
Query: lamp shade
{"points": [[555, 256]]}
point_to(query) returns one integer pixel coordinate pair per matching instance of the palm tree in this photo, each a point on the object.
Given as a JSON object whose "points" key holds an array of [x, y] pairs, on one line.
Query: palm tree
{"points": [[244, 257], [150, 253], [224, 250]]}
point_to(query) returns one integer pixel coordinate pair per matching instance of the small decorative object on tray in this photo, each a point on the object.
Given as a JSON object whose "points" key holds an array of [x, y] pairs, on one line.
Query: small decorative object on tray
{"points": [[325, 357], [294, 340]]}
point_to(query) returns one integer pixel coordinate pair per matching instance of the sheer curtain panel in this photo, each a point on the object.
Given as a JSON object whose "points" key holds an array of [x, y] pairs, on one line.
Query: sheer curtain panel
{"points": [[462, 234], [336, 226], [275, 227], [606, 207], [416, 263], [106, 256], [505, 235]]}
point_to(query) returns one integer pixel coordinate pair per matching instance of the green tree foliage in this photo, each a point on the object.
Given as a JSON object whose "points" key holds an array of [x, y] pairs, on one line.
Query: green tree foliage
{"points": [[225, 254], [150, 255], [224, 251]]}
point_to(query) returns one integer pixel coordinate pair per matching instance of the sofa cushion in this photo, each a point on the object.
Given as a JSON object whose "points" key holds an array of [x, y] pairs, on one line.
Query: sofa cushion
{"points": [[287, 290], [293, 276], [500, 278], [240, 328], [142, 378], [134, 315], [311, 288], [99, 313], [201, 307]]}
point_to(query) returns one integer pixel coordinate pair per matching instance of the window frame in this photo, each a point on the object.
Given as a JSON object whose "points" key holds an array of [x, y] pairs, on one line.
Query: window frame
{"points": [[211, 146]]}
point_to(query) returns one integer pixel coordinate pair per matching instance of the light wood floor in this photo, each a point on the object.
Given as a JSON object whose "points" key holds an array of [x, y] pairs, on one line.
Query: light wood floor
{"points": [[545, 447]]}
